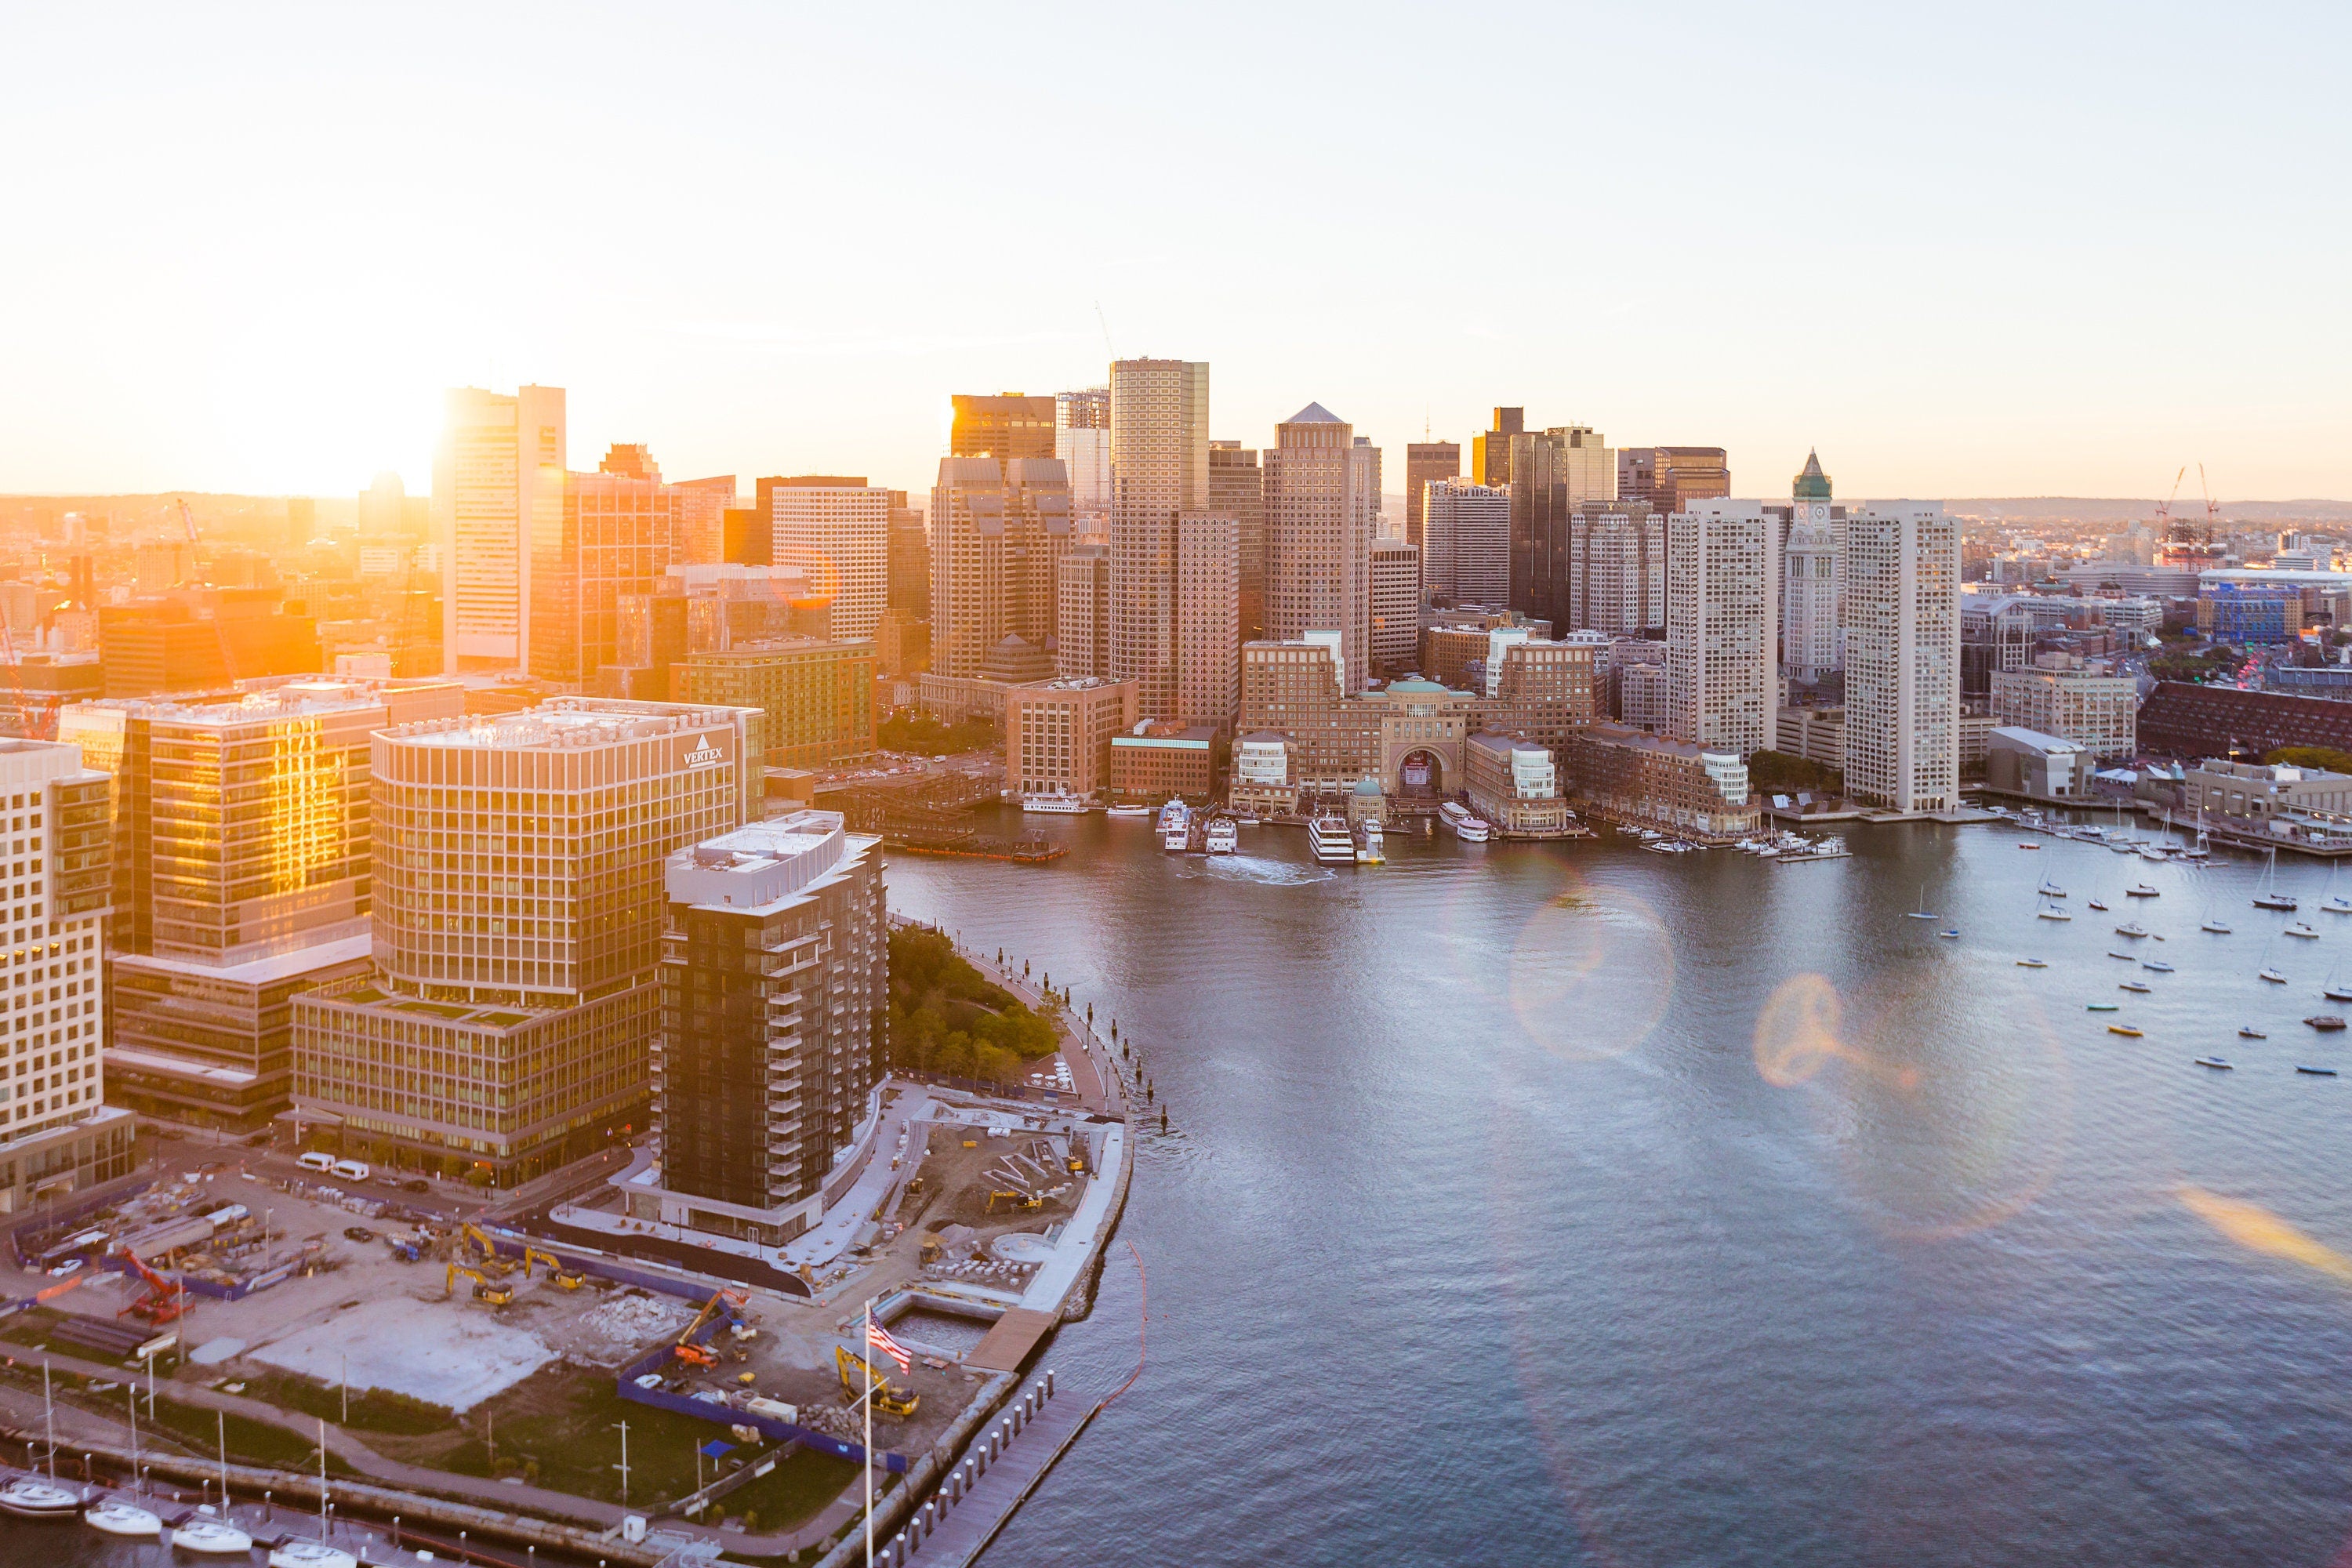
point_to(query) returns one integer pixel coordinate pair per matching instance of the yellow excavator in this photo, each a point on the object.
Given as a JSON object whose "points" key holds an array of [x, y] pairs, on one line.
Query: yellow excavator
{"points": [[889, 1399], [497, 1293], [570, 1280], [476, 1236], [1012, 1200]]}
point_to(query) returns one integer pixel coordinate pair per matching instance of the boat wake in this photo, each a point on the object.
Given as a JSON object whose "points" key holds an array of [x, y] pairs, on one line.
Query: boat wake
{"points": [[1265, 873]]}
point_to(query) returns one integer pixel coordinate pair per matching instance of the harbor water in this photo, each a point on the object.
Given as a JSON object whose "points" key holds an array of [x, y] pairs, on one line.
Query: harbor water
{"points": [[1572, 1203]]}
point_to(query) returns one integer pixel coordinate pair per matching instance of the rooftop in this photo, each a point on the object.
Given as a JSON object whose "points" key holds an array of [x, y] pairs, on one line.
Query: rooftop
{"points": [[562, 724]]}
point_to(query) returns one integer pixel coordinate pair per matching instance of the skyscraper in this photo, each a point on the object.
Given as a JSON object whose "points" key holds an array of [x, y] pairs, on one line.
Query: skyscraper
{"points": [[1903, 656], [1160, 465], [1553, 472], [519, 893], [908, 572], [998, 532], [1810, 635], [836, 529], [1617, 568], [1671, 478], [1082, 612], [1722, 579], [1319, 525], [498, 486], [1466, 536], [619, 531], [1425, 462], [1237, 489], [1082, 440], [701, 508], [1005, 426], [1396, 599], [1490, 454], [1208, 638]]}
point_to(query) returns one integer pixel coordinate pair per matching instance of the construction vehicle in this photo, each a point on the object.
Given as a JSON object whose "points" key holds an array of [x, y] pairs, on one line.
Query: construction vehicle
{"points": [[569, 1279], [476, 1236], [498, 1293], [703, 1355], [163, 1301], [1017, 1199], [888, 1399], [404, 1247]]}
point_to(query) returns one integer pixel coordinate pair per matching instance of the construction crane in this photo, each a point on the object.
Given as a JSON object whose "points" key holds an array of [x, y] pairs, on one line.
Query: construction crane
{"points": [[703, 1355], [498, 1293], [164, 1300], [887, 1399], [2213, 507], [2164, 523]]}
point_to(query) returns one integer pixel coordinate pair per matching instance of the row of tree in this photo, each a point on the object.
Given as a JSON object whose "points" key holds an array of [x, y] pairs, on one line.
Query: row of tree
{"points": [[945, 1016]]}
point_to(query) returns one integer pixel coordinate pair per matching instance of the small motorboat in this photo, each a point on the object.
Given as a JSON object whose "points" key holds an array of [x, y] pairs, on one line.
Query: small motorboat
{"points": [[2326, 1023], [2140, 890], [2028, 846], [29, 1497], [311, 1554], [115, 1517], [2216, 927], [2033, 963], [2248, 1032], [2222, 1063], [2300, 929], [209, 1537], [2105, 1007], [2316, 1072], [2156, 964], [2125, 1029], [2273, 975], [1947, 935], [2134, 987], [2131, 929]]}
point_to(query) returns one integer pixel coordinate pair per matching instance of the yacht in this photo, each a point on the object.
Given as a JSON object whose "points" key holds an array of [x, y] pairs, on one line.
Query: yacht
{"points": [[2098, 906], [1059, 803], [2131, 928], [115, 1517], [2267, 896], [1330, 839], [2050, 889], [1368, 845], [1224, 837], [2215, 924], [2140, 890], [1175, 827], [311, 1555], [212, 1538], [2300, 929], [2051, 912], [2213, 1062], [1468, 825], [2335, 903], [30, 1497], [2273, 975], [1128, 811]]}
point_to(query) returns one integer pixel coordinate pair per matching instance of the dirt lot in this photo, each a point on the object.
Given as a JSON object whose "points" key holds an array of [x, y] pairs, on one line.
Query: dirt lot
{"points": [[964, 1166]]}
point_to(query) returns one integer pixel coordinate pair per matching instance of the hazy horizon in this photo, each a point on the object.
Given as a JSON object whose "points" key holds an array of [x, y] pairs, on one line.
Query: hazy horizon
{"points": [[1982, 254]]}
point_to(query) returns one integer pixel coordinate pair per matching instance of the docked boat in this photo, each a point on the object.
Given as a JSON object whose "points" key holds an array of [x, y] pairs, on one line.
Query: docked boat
{"points": [[2050, 889], [1328, 837], [1056, 803], [2140, 890], [1370, 850], [2326, 1023], [1175, 814], [1175, 827], [2033, 963], [2220, 1062], [2102, 1007], [212, 1538], [2248, 1032], [2157, 964], [2136, 987], [2314, 1072], [2125, 1029], [1467, 824], [29, 1497], [2300, 929], [311, 1554], [115, 1517], [2131, 929], [1128, 811], [1224, 836]]}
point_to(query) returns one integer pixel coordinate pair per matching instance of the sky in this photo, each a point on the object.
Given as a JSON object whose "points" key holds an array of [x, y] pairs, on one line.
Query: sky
{"points": [[2051, 249]]}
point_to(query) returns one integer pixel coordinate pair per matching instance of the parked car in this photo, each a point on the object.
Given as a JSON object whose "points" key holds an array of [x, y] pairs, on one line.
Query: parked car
{"points": [[418, 1185], [358, 1232]]}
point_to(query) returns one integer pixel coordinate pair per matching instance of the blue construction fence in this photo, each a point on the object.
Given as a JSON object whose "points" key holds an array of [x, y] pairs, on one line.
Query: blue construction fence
{"points": [[727, 1415], [46, 1229]]}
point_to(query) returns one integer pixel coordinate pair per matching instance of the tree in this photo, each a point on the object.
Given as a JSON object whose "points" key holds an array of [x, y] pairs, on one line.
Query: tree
{"points": [[1770, 772], [2326, 759]]}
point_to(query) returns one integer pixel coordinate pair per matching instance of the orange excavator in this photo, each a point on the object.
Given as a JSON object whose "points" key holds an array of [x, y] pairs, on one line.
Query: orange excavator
{"points": [[703, 1355], [164, 1300]]}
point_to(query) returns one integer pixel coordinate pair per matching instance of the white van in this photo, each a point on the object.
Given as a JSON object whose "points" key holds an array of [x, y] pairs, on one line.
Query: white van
{"points": [[315, 1161], [351, 1170]]}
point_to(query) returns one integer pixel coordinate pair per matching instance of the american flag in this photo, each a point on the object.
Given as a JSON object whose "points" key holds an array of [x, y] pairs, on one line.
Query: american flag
{"points": [[879, 1338]]}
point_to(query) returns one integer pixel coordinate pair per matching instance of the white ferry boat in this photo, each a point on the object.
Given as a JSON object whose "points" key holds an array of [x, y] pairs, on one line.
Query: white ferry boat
{"points": [[1467, 825], [1059, 803], [1128, 811], [1368, 851], [1224, 836], [1332, 843], [1175, 814]]}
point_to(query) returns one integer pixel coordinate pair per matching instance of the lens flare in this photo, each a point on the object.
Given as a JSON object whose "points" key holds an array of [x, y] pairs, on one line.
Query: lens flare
{"points": [[2257, 1229], [1568, 969]]}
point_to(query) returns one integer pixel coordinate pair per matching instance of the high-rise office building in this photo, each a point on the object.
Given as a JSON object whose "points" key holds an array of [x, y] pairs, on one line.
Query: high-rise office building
{"points": [[1005, 426], [57, 1133], [907, 585], [1670, 477], [1425, 463], [243, 869], [999, 532], [1490, 454], [1396, 599], [1082, 441], [815, 695], [1902, 565], [1364, 487], [620, 528], [1553, 473], [1159, 467], [1467, 543], [1082, 612], [1319, 526], [762, 1081], [498, 486], [700, 511], [1811, 638], [1208, 638], [517, 920], [1617, 568], [836, 529], [1237, 489], [1722, 582]]}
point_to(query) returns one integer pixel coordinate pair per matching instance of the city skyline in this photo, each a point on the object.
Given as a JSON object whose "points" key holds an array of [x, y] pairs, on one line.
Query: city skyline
{"points": [[225, 305]]}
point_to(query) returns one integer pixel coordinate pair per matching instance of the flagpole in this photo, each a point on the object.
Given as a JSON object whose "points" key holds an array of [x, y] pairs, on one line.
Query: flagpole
{"points": [[867, 1357]]}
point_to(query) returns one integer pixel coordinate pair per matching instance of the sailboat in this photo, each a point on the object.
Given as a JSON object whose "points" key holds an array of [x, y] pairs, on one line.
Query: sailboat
{"points": [[2335, 903], [2050, 889], [2334, 990], [2050, 912], [2214, 922], [2267, 896], [1923, 912], [2266, 971]]}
